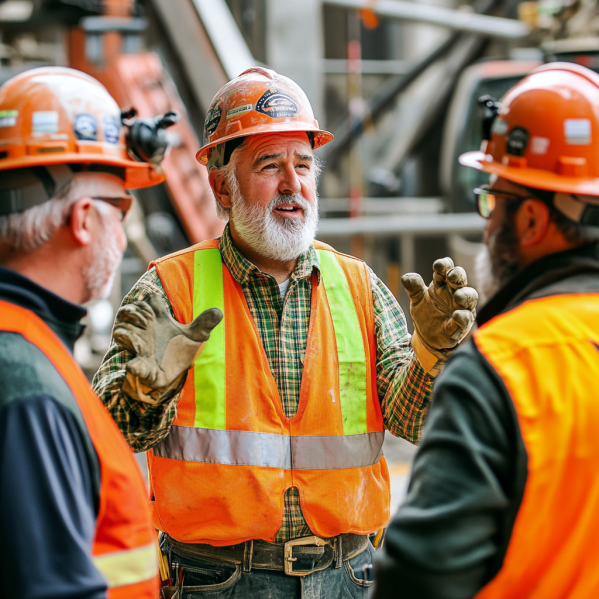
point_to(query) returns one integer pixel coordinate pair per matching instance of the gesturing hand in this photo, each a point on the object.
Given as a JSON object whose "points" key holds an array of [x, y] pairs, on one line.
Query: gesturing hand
{"points": [[443, 312], [164, 348]]}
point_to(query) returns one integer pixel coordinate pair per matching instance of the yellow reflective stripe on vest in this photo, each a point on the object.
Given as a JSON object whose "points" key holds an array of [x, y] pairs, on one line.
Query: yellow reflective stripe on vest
{"points": [[350, 345], [128, 567], [209, 367]]}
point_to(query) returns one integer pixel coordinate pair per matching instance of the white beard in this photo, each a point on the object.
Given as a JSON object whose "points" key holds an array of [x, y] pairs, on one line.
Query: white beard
{"points": [[99, 274], [269, 235]]}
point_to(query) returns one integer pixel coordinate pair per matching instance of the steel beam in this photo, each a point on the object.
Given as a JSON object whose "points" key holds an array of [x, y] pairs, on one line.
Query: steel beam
{"points": [[457, 20], [457, 223], [232, 51]]}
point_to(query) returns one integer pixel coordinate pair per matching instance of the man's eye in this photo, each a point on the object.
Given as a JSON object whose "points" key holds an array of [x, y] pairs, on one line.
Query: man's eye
{"points": [[270, 166], [304, 166]]}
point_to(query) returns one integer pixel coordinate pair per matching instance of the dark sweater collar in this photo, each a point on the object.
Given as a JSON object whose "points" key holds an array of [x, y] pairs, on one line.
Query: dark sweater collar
{"points": [[62, 316], [540, 274]]}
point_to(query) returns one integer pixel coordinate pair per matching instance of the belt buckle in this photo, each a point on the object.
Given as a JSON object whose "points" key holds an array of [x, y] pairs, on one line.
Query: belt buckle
{"points": [[289, 559]]}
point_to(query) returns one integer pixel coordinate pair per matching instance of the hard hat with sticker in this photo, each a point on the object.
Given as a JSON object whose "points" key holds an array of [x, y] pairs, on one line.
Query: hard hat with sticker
{"points": [[277, 105], [212, 120], [111, 128], [86, 127], [517, 140], [8, 118], [552, 125], [258, 102], [44, 121], [53, 116]]}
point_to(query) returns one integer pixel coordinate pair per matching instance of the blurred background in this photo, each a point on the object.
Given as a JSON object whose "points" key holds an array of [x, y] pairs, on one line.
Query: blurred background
{"points": [[397, 82]]}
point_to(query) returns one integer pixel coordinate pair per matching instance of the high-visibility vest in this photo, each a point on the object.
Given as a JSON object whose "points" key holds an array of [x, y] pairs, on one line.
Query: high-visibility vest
{"points": [[547, 353], [124, 547], [221, 473]]}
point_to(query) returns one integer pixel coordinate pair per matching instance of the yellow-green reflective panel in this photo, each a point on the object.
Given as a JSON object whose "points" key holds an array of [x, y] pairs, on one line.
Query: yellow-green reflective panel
{"points": [[350, 347], [128, 567], [209, 367]]}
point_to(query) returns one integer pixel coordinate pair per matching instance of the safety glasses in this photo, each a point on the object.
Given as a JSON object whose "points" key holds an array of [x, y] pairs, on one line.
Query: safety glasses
{"points": [[486, 199], [122, 203]]}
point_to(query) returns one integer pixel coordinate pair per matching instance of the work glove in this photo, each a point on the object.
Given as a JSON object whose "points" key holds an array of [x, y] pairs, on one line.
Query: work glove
{"points": [[443, 313], [164, 349]]}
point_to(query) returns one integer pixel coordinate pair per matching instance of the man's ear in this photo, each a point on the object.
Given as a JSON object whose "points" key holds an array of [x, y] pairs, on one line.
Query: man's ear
{"points": [[219, 187], [81, 221], [532, 222]]}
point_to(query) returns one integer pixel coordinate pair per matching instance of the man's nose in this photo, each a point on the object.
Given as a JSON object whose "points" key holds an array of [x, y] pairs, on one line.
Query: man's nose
{"points": [[289, 182]]}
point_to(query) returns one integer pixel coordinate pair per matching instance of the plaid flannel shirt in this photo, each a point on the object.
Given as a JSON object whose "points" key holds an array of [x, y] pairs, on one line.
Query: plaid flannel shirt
{"points": [[404, 388]]}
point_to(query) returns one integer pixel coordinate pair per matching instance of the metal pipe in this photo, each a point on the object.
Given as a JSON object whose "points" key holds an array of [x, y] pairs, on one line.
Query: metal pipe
{"points": [[460, 223], [382, 101], [228, 42], [452, 19]]}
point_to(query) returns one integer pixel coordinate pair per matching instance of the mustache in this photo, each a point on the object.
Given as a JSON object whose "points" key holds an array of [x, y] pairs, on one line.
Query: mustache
{"points": [[296, 198]]}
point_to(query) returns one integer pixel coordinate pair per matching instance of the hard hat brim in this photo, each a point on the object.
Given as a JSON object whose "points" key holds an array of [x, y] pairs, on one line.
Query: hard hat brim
{"points": [[321, 137], [532, 177], [135, 177]]}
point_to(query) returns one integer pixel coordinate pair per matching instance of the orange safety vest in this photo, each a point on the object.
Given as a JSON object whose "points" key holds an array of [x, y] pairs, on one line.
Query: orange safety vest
{"points": [[547, 353], [124, 547], [221, 474]]}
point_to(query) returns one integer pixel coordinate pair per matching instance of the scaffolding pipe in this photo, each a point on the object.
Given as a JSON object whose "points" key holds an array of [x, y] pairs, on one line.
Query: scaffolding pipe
{"points": [[458, 20], [457, 223]]}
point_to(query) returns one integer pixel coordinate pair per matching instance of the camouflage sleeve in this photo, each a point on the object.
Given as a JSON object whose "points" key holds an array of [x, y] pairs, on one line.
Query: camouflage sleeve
{"points": [[142, 425], [404, 388]]}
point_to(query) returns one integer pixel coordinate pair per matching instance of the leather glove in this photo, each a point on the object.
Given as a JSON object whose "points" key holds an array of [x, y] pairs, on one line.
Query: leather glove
{"points": [[443, 313], [164, 349]]}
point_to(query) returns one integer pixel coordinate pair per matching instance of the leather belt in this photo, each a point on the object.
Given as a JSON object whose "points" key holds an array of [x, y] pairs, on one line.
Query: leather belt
{"points": [[298, 557]]}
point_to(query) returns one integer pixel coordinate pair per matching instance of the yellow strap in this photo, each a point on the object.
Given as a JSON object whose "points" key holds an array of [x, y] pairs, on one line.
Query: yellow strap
{"points": [[128, 567]]}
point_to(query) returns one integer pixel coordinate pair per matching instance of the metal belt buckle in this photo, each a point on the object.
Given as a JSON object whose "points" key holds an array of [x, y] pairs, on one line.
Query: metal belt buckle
{"points": [[289, 559]]}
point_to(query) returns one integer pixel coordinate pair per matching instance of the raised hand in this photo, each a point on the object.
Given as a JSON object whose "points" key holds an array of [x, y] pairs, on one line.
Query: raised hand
{"points": [[443, 312], [164, 349]]}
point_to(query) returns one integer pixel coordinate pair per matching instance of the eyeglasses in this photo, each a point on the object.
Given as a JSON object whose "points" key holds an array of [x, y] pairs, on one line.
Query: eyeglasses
{"points": [[486, 199], [122, 203]]}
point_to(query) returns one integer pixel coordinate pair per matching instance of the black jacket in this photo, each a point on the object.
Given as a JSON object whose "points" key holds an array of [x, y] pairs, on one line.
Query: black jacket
{"points": [[449, 538], [49, 471]]}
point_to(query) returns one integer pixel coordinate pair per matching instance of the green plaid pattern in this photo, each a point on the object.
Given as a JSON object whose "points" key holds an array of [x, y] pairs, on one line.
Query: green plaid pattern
{"points": [[404, 388]]}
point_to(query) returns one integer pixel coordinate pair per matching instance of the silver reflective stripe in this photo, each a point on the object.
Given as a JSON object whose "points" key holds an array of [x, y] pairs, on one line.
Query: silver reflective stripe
{"points": [[243, 448]]}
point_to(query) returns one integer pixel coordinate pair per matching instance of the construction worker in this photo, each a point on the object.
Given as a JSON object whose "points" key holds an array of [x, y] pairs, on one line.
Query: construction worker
{"points": [[74, 520], [504, 495], [265, 461]]}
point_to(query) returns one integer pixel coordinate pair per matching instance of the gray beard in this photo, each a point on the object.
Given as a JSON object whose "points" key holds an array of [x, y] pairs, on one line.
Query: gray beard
{"points": [[497, 262], [271, 236], [100, 273]]}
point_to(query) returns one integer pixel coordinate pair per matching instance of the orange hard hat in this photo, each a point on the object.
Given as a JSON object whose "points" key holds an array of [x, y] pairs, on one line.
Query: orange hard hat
{"points": [[546, 133], [259, 101], [55, 115]]}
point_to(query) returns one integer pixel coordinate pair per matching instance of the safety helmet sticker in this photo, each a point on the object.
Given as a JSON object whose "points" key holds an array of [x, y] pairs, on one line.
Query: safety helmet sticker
{"points": [[86, 127], [44, 121], [517, 140], [239, 110], [499, 127], [212, 119], [8, 118], [577, 131], [277, 104], [539, 145], [111, 128]]}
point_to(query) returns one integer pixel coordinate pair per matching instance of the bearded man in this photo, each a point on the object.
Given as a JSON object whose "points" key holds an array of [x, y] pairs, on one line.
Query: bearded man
{"points": [[265, 461], [74, 520], [504, 496]]}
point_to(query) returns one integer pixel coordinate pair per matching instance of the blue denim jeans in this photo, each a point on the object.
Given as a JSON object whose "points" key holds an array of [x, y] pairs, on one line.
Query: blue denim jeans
{"points": [[204, 577]]}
